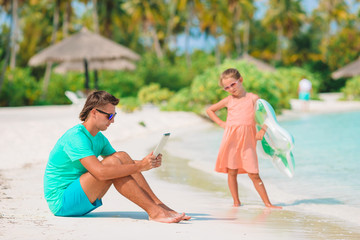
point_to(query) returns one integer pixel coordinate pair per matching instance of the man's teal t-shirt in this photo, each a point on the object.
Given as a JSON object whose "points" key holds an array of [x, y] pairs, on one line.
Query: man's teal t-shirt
{"points": [[64, 166]]}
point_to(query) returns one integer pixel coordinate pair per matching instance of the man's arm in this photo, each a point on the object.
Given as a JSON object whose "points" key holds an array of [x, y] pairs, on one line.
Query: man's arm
{"points": [[109, 171]]}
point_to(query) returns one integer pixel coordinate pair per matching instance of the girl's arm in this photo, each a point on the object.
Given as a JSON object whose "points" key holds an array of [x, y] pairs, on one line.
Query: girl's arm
{"points": [[215, 107], [260, 134]]}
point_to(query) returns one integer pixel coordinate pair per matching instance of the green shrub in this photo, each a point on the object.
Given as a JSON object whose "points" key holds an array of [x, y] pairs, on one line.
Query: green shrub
{"points": [[19, 88], [352, 89], [180, 101], [287, 82], [276, 87], [59, 84], [154, 94], [120, 83], [205, 88], [129, 104], [174, 73]]}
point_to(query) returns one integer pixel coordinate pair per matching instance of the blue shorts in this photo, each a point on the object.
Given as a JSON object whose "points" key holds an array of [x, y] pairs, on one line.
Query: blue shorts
{"points": [[304, 96], [75, 202]]}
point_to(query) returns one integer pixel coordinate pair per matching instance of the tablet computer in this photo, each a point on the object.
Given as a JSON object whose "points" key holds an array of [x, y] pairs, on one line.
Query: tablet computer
{"points": [[161, 144]]}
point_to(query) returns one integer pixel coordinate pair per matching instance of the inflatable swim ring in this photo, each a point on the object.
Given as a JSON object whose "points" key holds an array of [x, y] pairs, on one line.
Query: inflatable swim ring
{"points": [[277, 143]]}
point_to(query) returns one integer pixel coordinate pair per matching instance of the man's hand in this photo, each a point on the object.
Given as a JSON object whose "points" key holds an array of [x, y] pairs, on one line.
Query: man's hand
{"points": [[158, 160], [150, 161]]}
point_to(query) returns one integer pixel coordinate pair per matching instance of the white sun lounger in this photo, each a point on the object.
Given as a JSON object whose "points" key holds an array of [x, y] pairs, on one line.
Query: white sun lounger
{"points": [[74, 98]]}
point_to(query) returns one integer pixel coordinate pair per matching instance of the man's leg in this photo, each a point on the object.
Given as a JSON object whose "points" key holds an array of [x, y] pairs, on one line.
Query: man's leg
{"points": [[139, 178], [127, 186]]}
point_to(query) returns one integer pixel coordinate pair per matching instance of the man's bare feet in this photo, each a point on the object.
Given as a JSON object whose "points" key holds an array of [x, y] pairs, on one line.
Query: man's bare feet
{"points": [[168, 219], [165, 216], [185, 217]]}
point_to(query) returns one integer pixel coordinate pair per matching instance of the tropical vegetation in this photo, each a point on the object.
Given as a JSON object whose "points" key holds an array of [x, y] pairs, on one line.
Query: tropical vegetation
{"points": [[297, 41]]}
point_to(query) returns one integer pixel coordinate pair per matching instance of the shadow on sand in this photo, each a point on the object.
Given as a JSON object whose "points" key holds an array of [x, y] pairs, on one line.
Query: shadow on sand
{"points": [[144, 216]]}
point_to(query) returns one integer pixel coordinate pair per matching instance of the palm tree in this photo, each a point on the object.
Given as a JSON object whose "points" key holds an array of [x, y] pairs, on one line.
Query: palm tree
{"points": [[331, 11], [14, 33], [241, 11], [95, 16], [170, 21], [56, 17], [94, 13], [213, 19], [5, 5], [188, 8], [67, 9], [285, 17], [148, 14], [13, 37]]}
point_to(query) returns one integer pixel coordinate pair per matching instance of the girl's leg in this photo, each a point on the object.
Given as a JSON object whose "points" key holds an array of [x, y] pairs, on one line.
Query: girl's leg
{"points": [[260, 188], [233, 186]]}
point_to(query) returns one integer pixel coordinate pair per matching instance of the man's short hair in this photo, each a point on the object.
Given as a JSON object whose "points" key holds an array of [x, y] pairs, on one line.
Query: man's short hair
{"points": [[97, 99]]}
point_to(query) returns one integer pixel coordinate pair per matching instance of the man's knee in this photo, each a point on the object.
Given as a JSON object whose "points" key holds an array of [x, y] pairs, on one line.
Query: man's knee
{"points": [[123, 157], [112, 160]]}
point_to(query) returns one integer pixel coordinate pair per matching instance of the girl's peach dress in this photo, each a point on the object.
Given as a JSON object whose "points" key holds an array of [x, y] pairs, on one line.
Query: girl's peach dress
{"points": [[238, 146]]}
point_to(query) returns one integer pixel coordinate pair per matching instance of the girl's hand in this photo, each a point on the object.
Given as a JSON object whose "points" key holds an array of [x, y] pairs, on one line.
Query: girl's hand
{"points": [[260, 134]]}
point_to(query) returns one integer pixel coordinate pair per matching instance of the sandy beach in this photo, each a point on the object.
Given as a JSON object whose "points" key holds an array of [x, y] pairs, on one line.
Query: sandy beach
{"points": [[29, 133]]}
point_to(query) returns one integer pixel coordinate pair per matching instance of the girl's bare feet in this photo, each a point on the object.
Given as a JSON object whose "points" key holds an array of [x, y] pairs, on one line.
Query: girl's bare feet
{"points": [[237, 204], [273, 206]]}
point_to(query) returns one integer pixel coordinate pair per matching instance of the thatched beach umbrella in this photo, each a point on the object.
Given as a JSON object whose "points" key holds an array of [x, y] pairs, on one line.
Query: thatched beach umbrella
{"points": [[116, 64], [263, 66], [350, 70], [83, 46]]}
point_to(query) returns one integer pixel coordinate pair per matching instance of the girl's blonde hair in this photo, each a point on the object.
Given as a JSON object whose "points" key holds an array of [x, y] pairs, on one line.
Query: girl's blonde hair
{"points": [[229, 73]]}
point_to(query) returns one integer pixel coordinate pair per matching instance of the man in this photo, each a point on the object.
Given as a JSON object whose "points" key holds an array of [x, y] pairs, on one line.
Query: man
{"points": [[76, 180], [304, 91]]}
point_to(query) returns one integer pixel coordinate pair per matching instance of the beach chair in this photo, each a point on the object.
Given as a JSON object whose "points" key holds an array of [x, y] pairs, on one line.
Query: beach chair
{"points": [[81, 94], [74, 98]]}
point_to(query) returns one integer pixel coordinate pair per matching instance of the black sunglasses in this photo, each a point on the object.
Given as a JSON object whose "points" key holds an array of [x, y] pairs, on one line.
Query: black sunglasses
{"points": [[109, 115]]}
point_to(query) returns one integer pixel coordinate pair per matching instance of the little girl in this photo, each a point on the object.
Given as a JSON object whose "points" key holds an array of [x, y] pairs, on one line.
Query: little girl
{"points": [[237, 153]]}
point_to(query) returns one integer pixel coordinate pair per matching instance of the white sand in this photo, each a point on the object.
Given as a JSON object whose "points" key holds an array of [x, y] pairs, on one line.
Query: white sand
{"points": [[29, 133], [328, 103]]}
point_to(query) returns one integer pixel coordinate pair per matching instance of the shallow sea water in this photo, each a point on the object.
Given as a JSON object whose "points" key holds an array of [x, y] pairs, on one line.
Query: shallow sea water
{"points": [[327, 157]]}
